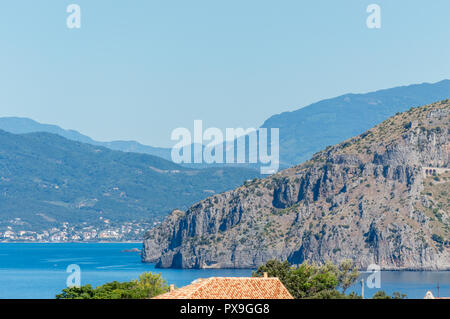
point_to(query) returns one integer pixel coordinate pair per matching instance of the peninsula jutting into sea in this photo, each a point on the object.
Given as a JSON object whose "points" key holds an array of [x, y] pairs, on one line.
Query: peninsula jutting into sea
{"points": [[212, 150]]}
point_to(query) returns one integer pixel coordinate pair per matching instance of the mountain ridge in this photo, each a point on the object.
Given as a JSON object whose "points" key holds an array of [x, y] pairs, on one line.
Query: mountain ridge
{"points": [[23, 125], [47, 180], [303, 131], [309, 129], [380, 197]]}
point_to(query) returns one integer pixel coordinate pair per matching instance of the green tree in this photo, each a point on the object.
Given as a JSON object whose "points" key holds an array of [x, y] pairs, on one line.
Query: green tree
{"points": [[275, 268], [312, 281], [152, 284], [83, 292], [381, 294], [347, 274], [398, 295], [307, 280], [119, 290], [147, 286]]}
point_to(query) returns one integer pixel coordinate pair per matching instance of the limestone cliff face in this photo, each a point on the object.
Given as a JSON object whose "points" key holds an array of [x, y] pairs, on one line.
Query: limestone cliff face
{"points": [[378, 198]]}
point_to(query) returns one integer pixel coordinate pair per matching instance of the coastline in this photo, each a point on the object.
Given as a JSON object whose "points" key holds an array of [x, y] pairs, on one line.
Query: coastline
{"points": [[362, 271], [39, 271]]}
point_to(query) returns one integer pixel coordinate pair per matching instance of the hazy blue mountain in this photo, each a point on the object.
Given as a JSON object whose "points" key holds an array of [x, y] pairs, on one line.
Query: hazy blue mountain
{"points": [[46, 179], [308, 130], [302, 132], [20, 125]]}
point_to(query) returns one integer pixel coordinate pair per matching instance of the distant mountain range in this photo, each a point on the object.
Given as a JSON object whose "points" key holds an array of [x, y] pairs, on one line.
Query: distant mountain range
{"points": [[20, 125], [49, 175], [47, 180], [308, 130], [302, 132]]}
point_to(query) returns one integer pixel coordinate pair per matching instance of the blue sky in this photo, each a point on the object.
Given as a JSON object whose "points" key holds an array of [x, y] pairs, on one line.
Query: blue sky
{"points": [[138, 69]]}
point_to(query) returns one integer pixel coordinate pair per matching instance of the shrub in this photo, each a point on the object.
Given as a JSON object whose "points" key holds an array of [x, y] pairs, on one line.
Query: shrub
{"points": [[147, 286], [311, 281]]}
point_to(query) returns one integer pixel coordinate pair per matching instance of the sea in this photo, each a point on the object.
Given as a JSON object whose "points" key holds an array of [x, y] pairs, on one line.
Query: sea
{"points": [[39, 271]]}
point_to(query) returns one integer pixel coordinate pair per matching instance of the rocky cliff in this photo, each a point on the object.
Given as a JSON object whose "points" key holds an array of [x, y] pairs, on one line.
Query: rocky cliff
{"points": [[379, 198]]}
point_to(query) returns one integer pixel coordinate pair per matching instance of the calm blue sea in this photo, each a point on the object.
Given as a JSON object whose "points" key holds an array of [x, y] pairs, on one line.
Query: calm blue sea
{"points": [[39, 270]]}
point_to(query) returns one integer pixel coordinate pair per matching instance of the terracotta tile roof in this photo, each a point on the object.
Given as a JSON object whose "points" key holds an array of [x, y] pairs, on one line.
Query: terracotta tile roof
{"points": [[231, 288]]}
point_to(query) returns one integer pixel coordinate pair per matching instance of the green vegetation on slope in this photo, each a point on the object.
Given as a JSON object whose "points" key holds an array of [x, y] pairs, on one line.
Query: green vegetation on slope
{"points": [[46, 180]]}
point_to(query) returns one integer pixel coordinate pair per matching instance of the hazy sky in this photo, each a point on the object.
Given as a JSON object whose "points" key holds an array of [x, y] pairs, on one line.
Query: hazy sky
{"points": [[138, 69]]}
